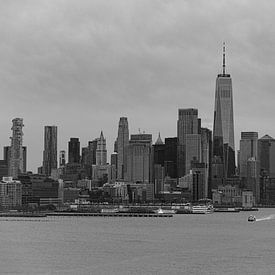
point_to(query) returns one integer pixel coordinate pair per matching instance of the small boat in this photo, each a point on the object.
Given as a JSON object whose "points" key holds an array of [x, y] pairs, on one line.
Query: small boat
{"points": [[251, 218]]}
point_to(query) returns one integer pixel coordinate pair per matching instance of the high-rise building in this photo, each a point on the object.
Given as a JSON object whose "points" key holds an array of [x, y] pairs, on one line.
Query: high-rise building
{"points": [[113, 166], [266, 155], [206, 156], [248, 150], [92, 145], [62, 158], [16, 158], [122, 143], [170, 157], [101, 152], [7, 154], [139, 158], [50, 150], [188, 139], [223, 133], [158, 165], [193, 150], [74, 150]]}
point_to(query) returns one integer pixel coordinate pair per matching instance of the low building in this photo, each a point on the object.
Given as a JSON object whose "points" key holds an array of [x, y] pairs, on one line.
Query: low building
{"points": [[10, 193], [247, 199]]}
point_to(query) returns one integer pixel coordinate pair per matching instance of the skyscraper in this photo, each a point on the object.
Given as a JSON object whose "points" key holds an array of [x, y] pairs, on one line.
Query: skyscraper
{"points": [[188, 139], [50, 149], [206, 156], [266, 155], [101, 152], [170, 157], [223, 133], [158, 164], [62, 158], [139, 158], [122, 143], [248, 149], [74, 150], [16, 158]]}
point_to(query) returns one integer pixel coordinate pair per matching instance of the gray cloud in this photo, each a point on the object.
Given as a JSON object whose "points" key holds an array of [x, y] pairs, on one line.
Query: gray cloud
{"points": [[82, 64]]}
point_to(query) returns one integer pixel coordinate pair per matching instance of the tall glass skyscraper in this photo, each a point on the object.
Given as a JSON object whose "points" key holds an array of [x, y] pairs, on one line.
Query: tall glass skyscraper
{"points": [[223, 133], [50, 149], [188, 139], [16, 158], [122, 144]]}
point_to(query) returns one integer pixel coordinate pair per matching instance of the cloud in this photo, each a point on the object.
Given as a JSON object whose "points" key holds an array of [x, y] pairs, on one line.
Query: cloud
{"points": [[82, 64]]}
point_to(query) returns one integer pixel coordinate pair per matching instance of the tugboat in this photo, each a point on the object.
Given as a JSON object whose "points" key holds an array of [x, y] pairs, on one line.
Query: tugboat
{"points": [[251, 218]]}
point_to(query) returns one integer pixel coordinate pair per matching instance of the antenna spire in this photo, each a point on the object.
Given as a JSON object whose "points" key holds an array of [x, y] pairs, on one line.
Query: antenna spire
{"points": [[223, 61]]}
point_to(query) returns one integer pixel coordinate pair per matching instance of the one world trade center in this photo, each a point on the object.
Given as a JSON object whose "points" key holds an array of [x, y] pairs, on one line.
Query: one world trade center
{"points": [[223, 132]]}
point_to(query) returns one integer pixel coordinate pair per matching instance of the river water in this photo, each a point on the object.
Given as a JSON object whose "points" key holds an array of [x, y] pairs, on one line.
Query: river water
{"points": [[219, 243]]}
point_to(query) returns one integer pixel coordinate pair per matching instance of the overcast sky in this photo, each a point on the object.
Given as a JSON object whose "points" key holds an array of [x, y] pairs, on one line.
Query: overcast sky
{"points": [[81, 65]]}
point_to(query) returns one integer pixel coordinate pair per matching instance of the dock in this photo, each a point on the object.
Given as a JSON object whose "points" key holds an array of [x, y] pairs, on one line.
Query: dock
{"points": [[108, 214]]}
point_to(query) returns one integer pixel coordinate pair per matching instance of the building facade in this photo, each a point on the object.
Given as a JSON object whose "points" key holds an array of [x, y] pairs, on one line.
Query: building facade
{"points": [[74, 150], [50, 149], [188, 124], [101, 152], [10, 193], [223, 132], [139, 158], [248, 149], [16, 158], [122, 144]]}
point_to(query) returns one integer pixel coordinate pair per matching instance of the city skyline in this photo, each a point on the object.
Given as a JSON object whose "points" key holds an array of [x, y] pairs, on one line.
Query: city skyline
{"points": [[98, 64]]}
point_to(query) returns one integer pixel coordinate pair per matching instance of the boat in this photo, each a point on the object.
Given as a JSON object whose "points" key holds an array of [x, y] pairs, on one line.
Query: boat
{"points": [[202, 209], [227, 210], [109, 210], [165, 211], [251, 218]]}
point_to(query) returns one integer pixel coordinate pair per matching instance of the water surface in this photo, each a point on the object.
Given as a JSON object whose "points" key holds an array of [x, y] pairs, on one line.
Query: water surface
{"points": [[219, 243]]}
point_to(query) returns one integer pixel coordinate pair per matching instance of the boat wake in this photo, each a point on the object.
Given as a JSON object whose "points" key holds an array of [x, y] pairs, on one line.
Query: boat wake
{"points": [[270, 217]]}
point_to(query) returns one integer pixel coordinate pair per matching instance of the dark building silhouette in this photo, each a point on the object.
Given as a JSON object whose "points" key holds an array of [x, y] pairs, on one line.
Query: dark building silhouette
{"points": [[206, 158], [74, 150], [158, 165], [50, 149], [170, 157]]}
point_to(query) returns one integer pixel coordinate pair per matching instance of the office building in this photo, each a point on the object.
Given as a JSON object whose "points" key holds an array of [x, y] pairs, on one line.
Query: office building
{"points": [[206, 158], [101, 152], [188, 124], [170, 157], [139, 158], [16, 158], [10, 193], [50, 150], [122, 143], [223, 133], [62, 158], [92, 145], [74, 150], [113, 166], [248, 150], [266, 147], [158, 165]]}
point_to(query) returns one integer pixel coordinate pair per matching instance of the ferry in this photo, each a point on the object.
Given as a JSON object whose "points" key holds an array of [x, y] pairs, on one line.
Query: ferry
{"points": [[202, 209], [109, 210]]}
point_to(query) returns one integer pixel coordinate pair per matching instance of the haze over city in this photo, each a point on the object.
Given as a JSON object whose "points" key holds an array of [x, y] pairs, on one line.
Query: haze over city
{"points": [[82, 66]]}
